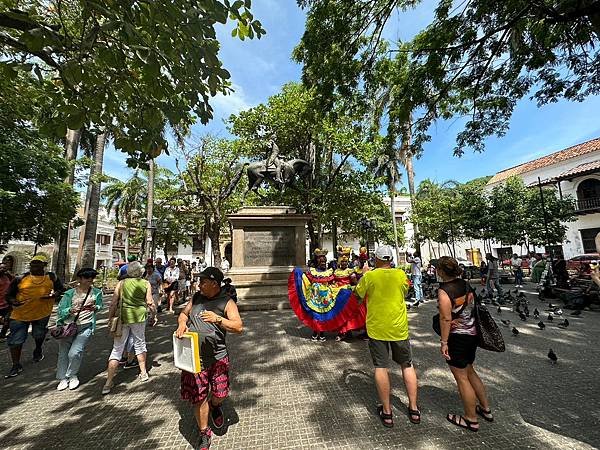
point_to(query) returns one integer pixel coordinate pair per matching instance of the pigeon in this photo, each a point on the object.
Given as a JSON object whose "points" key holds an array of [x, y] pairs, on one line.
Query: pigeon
{"points": [[515, 332], [541, 325], [522, 316], [558, 311], [500, 310], [563, 324], [550, 318], [552, 356], [536, 313], [506, 323], [576, 313], [550, 306]]}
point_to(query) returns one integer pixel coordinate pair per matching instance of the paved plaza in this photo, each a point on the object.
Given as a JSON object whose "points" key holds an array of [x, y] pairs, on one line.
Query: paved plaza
{"points": [[291, 393]]}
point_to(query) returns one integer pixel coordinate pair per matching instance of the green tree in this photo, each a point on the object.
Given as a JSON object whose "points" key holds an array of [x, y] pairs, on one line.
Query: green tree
{"points": [[35, 202], [476, 58], [128, 67]]}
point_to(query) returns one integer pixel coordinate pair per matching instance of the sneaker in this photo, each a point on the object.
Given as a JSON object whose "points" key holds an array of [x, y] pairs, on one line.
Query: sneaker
{"points": [[73, 383], [133, 363], [62, 385], [322, 338], [37, 356], [315, 336], [205, 438], [14, 371], [216, 414], [143, 377], [106, 388]]}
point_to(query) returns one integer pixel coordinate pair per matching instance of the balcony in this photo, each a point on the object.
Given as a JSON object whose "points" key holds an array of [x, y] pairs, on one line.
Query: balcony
{"points": [[588, 205]]}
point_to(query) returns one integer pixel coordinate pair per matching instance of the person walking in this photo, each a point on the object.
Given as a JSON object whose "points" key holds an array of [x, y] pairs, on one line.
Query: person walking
{"points": [[416, 275], [493, 276], [516, 264], [171, 285], [387, 328], [134, 297], [459, 343], [155, 280], [32, 298], [211, 314], [5, 279], [78, 305]]}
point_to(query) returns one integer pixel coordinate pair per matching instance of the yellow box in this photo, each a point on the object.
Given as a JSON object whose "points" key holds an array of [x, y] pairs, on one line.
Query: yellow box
{"points": [[186, 352]]}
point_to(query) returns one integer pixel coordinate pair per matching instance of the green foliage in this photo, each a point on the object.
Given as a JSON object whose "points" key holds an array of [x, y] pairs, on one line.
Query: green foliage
{"points": [[35, 202], [333, 144], [126, 66], [476, 59]]}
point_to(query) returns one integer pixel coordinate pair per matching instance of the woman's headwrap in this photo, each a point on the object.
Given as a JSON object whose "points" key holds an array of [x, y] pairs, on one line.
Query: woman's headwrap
{"points": [[343, 253]]}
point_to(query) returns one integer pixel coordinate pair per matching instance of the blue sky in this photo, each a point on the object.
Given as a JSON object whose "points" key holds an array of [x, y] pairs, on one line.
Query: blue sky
{"points": [[260, 67]]}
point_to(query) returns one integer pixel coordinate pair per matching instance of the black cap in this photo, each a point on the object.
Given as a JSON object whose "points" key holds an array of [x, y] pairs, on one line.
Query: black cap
{"points": [[212, 273], [87, 272]]}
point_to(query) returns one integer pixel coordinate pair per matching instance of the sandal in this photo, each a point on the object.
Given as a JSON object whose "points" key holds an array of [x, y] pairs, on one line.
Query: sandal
{"points": [[452, 418], [412, 413], [486, 414], [386, 419]]}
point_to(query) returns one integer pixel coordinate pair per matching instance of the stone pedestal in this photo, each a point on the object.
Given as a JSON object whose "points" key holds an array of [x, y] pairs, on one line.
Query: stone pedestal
{"points": [[268, 242]]}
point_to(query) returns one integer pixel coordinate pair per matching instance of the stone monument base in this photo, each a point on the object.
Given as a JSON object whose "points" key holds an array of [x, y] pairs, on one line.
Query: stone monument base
{"points": [[268, 242]]}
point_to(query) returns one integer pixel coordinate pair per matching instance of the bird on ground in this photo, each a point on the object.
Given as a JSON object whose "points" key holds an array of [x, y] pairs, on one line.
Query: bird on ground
{"points": [[576, 313], [522, 316], [536, 313], [541, 325], [550, 318], [515, 332], [552, 356], [499, 310], [558, 311], [563, 324], [550, 306], [506, 323]]}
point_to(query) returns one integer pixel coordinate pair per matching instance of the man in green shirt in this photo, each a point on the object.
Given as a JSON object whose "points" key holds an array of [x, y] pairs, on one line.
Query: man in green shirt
{"points": [[387, 328]]}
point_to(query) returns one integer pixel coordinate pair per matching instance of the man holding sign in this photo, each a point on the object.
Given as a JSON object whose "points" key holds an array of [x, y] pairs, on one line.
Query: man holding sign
{"points": [[211, 314]]}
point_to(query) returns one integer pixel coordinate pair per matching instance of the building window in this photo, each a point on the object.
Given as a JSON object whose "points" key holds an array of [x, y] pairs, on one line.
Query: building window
{"points": [[588, 238], [588, 194], [504, 253], [103, 239], [198, 244]]}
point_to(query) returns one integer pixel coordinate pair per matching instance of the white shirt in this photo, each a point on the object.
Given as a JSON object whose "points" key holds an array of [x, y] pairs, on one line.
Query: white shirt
{"points": [[415, 268], [225, 265], [171, 274]]}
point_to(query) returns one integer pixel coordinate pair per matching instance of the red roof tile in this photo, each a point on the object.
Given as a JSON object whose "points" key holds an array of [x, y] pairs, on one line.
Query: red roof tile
{"points": [[553, 158], [580, 169]]}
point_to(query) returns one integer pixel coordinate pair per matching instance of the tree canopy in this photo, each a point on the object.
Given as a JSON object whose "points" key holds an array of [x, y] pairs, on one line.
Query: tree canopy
{"points": [[126, 66]]}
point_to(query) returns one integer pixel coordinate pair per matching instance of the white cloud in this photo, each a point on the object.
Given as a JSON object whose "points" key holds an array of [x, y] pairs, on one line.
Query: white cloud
{"points": [[225, 105]]}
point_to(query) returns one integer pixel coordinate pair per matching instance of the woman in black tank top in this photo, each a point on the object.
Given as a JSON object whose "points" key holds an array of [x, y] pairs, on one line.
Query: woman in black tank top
{"points": [[459, 343]]}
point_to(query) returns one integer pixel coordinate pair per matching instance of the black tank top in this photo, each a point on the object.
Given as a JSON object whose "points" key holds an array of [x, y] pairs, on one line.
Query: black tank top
{"points": [[463, 320], [212, 337]]}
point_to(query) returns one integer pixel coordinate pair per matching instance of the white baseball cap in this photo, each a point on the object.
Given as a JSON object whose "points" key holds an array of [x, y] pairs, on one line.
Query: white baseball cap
{"points": [[384, 253]]}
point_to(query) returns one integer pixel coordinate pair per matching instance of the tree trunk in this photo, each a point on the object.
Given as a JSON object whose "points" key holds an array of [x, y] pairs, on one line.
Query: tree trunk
{"points": [[87, 256], [214, 233], [394, 224], [60, 257], [410, 173], [150, 211], [126, 242]]}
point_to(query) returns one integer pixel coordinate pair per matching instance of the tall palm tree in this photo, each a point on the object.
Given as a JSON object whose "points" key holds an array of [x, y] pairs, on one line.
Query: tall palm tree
{"points": [[128, 199]]}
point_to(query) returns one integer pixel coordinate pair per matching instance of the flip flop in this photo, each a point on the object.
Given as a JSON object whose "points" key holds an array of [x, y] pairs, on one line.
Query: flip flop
{"points": [[386, 419], [486, 414], [468, 425]]}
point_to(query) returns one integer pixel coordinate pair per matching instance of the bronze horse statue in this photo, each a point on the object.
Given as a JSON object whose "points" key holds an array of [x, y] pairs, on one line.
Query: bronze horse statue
{"points": [[281, 174]]}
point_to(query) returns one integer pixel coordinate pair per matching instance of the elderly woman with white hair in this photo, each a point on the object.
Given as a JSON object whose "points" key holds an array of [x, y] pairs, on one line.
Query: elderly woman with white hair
{"points": [[131, 301]]}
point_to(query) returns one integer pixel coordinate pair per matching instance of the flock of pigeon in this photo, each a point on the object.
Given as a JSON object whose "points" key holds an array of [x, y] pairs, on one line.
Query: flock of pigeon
{"points": [[520, 306]]}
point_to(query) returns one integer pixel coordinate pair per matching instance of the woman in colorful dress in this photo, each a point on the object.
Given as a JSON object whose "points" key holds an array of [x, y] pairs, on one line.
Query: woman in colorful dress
{"points": [[346, 278], [316, 299]]}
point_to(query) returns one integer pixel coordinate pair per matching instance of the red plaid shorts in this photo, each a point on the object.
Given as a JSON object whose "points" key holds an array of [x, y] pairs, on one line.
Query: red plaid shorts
{"points": [[195, 387]]}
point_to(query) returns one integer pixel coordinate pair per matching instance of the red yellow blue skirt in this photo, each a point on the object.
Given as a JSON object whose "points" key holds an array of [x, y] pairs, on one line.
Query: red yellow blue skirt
{"points": [[323, 306]]}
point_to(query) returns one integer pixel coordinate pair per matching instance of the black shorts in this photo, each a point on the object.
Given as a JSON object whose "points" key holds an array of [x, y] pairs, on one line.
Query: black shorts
{"points": [[174, 286], [461, 348], [380, 352]]}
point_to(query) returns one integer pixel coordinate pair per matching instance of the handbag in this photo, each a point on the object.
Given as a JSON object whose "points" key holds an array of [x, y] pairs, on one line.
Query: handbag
{"points": [[489, 335], [115, 325], [65, 331]]}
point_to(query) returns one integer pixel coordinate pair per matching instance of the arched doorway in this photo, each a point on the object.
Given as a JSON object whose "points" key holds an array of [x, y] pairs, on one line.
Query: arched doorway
{"points": [[588, 194], [229, 253]]}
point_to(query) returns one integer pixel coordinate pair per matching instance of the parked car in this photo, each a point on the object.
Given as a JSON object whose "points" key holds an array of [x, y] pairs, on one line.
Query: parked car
{"points": [[581, 264]]}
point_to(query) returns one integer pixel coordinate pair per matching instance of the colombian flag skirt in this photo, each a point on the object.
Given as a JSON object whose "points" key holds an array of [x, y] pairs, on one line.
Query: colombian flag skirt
{"points": [[322, 306]]}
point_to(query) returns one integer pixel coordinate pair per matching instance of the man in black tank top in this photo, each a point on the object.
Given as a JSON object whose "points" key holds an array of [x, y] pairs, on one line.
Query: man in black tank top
{"points": [[211, 314]]}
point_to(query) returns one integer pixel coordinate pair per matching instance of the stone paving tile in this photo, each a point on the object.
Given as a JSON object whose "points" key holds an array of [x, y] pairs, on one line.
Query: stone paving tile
{"points": [[291, 393]]}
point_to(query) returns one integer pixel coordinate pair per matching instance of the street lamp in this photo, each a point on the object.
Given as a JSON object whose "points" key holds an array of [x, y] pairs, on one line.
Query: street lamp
{"points": [[154, 225], [367, 225]]}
